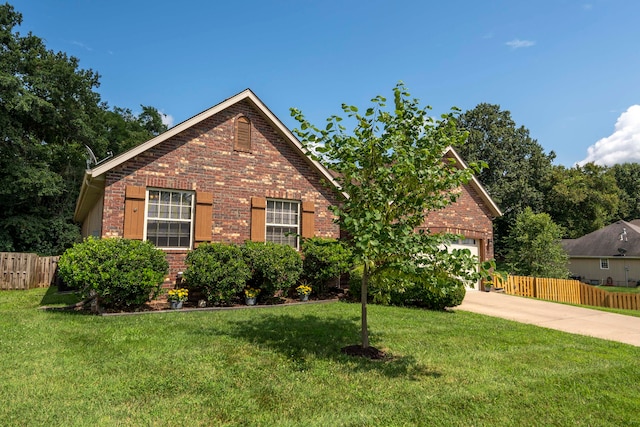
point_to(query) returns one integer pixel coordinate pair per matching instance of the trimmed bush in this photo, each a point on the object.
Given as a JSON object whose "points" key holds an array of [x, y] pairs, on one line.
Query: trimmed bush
{"points": [[323, 260], [273, 267], [435, 291], [218, 270], [122, 273]]}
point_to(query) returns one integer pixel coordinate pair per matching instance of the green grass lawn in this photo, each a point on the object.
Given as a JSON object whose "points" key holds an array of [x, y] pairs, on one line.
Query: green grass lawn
{"points": [[282, 366]]}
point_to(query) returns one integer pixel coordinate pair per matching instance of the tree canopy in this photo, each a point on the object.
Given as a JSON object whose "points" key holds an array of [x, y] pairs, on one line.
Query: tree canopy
{"points": [[391, 168], [582, 199], [49, 111], [517, 166]]}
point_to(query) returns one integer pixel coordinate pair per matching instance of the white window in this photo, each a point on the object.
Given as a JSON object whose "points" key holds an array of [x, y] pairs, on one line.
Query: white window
{"points": [[604, 264], [169, 218], [466, 242], [283, 222]]}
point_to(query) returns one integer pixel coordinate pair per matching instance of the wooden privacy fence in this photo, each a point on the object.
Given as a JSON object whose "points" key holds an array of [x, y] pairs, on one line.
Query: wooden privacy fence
{"points": [[570, 291], [26, 271]]}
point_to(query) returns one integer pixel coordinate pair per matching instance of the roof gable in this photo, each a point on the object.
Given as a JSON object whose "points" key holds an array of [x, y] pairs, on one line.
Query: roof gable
{"points": [[91, 183], [474, 183], [247, 95]]}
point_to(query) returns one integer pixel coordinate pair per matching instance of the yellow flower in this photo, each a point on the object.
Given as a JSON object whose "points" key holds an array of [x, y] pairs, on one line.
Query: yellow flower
{"points": [[251, 292], [178, 294], [303, 290]]}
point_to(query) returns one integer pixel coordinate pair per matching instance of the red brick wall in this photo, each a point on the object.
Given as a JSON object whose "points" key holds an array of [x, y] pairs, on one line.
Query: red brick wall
{"points": [[468, 216], [202, 158]]}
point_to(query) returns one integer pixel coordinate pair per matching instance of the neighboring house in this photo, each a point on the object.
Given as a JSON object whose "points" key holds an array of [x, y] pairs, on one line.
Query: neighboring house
{"points": [[610, 255], [234, 173]]}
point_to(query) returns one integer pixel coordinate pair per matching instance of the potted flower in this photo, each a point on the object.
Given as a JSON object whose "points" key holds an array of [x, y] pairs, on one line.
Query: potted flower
{"points": [[250, 295], [303, 292], [177, 296]]}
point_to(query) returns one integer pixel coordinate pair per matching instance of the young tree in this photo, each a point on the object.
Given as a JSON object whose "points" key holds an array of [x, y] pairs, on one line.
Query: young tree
{"points": [[533, 247], [391, 170]]}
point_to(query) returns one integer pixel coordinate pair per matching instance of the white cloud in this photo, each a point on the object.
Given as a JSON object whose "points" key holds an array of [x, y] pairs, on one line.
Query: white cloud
{"points": [[167, 119], [622, 146], [517, 43]]}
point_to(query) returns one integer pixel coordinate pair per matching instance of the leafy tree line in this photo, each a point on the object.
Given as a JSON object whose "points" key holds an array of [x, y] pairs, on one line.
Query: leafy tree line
{"points": [[49, 111], [535, 194]]}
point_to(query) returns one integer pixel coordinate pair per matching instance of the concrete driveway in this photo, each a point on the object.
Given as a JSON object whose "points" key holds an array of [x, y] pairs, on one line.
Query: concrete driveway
{"points": [[575, 320]]}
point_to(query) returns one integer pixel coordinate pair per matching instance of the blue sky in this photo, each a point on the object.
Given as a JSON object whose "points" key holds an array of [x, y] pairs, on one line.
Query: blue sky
{"points": [[568, 70]]}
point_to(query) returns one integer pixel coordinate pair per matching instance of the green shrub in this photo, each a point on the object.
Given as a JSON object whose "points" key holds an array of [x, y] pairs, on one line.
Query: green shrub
{"points": [[273, 267], [434, 291], [379, 286], [323, 260], [218, 270], [122, 273]]}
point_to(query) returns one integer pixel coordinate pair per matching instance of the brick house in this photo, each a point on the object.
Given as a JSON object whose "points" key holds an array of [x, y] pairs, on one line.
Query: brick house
{"points": [[470, 216], [229, 174]]}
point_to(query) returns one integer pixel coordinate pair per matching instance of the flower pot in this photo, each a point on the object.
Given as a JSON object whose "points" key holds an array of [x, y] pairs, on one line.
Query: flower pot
{"points": [[250, 301], [304, 297], [176, 305]]}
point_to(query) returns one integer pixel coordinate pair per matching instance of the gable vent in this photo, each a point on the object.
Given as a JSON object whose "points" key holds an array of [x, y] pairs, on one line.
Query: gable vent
{"points": [[243, 134]]}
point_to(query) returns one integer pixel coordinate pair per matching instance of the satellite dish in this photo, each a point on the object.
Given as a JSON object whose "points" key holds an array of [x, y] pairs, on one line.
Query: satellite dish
{"points": [[622, 251], [92, 157]]}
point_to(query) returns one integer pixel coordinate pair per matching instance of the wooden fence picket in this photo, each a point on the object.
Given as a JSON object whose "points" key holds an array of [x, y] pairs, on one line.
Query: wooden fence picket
{"points": [[569, 291], [26, 271]]}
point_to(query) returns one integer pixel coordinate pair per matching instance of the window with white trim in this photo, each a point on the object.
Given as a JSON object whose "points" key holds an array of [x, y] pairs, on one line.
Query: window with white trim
{"points": [[283, 222], [604, 264], [169, 218]]}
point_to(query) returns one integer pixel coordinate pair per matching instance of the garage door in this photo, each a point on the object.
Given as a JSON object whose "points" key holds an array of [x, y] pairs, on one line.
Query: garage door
{"points": [[473, 246]]}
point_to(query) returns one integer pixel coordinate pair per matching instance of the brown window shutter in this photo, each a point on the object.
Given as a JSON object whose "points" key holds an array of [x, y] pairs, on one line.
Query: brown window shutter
{"points": [[243, 134], [204, 213], [308, 220], [134, 198], [258, 218]]}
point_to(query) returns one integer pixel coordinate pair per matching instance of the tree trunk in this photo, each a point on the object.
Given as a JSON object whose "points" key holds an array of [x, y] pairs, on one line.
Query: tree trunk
{"points": [[363, 301]]}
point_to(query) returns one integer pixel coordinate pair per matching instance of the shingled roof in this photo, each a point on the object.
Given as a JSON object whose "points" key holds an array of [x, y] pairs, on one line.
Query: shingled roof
{"points": [[619, 238]]}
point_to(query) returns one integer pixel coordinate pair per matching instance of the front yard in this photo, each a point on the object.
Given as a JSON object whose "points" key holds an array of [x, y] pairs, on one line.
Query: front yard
{"points": [[282, 366]]}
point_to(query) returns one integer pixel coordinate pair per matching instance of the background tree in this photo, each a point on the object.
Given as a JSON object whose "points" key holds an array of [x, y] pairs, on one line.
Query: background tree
{"points": [[582, 199], [516, 164], [533, 247], [49, 111], [627, 178], [119, 129], [392, 170]]}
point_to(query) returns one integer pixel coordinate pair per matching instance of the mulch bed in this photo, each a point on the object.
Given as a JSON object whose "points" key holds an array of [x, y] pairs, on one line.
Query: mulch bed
{"points": [[367, 352], [161, 304]]}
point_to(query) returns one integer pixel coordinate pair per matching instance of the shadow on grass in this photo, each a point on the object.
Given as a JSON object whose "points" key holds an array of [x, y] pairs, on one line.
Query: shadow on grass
{"points": [[308, 336], [54, 298]]}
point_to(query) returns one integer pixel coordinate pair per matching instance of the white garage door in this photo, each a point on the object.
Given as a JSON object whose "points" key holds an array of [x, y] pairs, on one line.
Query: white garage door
{"points": [[473, 246]]}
